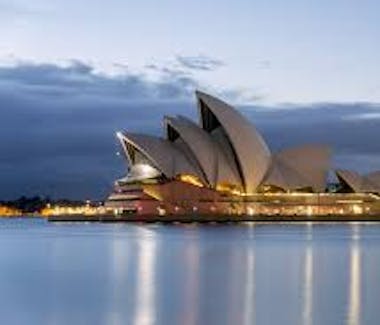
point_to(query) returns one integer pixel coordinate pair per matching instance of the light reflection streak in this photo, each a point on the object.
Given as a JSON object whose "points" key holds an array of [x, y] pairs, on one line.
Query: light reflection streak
{"points": [[190, 316], [145, 282], [307, 315], [354, 307], [249, 302]]}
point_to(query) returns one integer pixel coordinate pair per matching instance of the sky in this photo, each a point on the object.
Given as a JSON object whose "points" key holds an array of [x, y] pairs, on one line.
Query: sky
{"points": [[72, 73]]}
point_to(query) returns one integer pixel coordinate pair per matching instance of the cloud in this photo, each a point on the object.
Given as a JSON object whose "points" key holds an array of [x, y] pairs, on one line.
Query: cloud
{"points": [[58, 123], [324, 123], [80, 79], [364, 116], [240, 96], [200, 63]]}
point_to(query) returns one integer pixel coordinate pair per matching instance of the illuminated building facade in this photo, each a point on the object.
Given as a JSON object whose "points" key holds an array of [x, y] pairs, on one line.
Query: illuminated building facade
{"points": [[223, 165], [7, 211]]}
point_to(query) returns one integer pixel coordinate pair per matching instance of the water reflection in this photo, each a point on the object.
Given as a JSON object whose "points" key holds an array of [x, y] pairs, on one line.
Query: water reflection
{"points": [[355, 289], [145, 282], [249, 298], [223, 274], [191, 290], [307, 316]]}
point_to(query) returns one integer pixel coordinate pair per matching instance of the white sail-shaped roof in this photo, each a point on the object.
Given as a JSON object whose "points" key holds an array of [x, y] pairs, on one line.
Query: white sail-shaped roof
{"points": [[301, 167], [368, 183], [284, 177], [246, 146], [226, 150], [160, 153], [351, 178], [206, 151]]}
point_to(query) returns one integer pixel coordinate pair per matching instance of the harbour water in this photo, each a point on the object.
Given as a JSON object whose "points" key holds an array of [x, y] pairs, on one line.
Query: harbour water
{"points": [[251, 273]]}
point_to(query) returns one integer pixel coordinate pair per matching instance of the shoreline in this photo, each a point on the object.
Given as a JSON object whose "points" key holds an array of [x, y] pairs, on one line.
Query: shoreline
{"points": [[190, 218], [193, 218]]}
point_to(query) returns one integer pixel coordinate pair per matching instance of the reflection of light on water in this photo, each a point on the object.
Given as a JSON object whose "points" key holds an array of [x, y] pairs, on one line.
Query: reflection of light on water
{"points": [[192, 283], [308, 279], [249, 308], [309, 229], [308, 294], [355, 231], [145, 304], [355, 281], [249, 301]]}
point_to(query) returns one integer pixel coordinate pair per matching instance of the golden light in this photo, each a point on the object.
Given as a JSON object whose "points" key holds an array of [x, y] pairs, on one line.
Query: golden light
{"points": [[250, 211], [229, 188], [87, 209], [193, 180], [357, 209], [9, 211], [161, 211]]}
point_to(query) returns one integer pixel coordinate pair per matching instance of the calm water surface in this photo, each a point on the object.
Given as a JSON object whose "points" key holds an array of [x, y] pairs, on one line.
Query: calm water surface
{"points": [[189, 274]]}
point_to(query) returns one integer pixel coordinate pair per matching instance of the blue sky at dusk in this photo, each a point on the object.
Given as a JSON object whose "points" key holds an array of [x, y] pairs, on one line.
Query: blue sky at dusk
{"points": [[283, 51], [74, 72]]}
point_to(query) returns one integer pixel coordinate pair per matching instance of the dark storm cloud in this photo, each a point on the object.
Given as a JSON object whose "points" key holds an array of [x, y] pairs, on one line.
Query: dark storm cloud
{"points": [[200, 62], [57, 126]]}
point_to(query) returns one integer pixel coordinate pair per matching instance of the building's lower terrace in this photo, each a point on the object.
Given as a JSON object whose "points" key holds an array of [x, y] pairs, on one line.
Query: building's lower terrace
{"points": [[179, 198]]}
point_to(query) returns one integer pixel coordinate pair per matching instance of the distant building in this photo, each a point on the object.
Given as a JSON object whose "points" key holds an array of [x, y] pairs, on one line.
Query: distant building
{"points": [[222, 165], [8, 211]]}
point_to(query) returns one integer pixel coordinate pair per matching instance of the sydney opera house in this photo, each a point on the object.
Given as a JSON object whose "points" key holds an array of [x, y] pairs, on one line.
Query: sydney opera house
{"points": [[222, 165]]}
